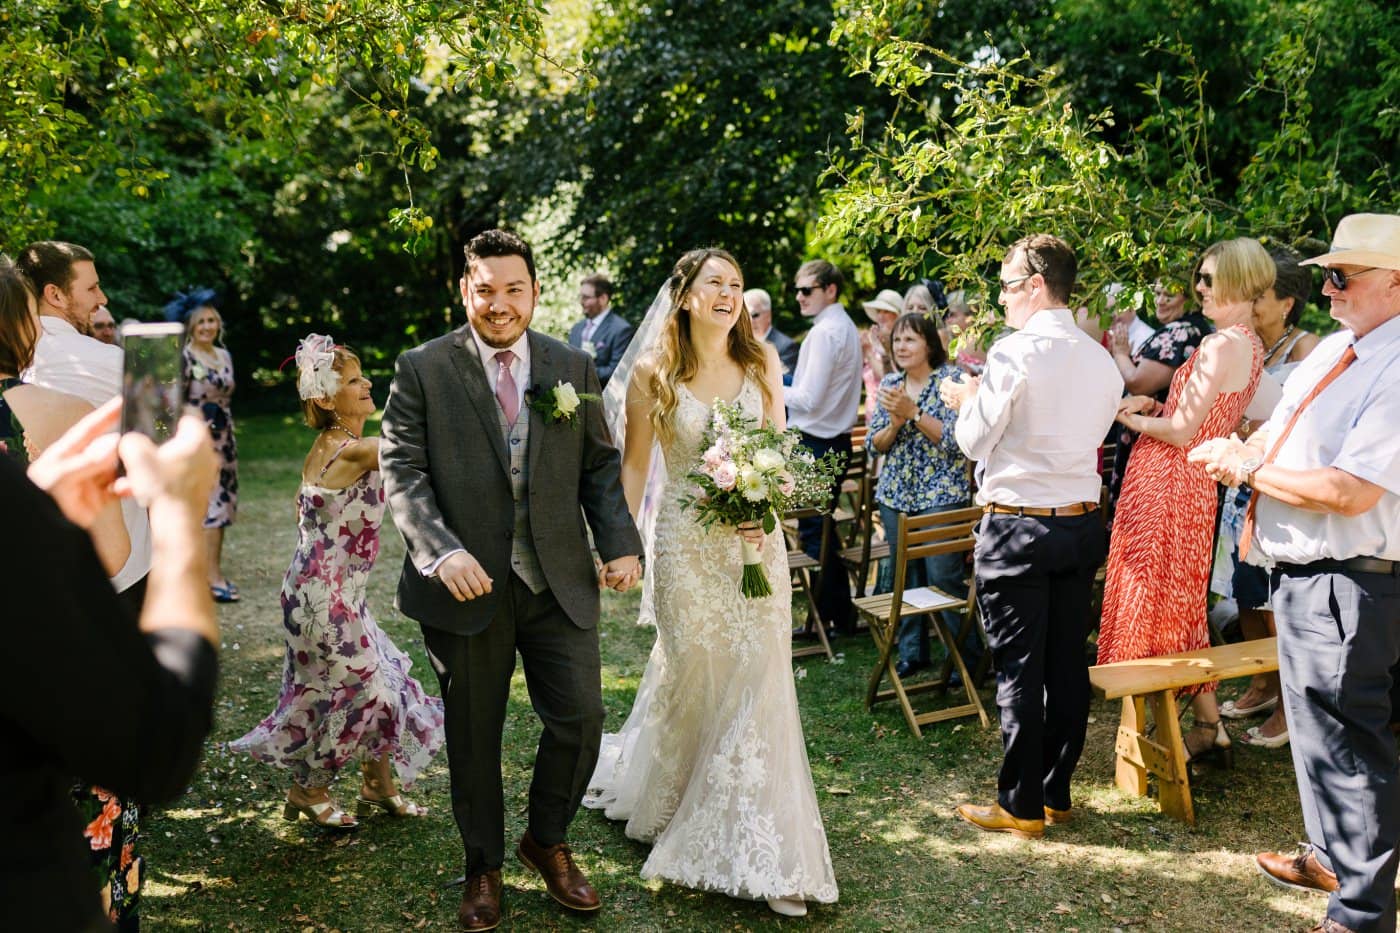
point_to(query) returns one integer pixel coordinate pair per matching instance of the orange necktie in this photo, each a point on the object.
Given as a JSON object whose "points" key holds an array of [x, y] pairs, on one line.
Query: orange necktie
{"points": [[1247, 530]]}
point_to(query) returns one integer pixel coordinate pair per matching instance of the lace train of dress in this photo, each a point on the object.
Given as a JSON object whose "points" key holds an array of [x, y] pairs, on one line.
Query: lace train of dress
{"points": [[710, 766]]}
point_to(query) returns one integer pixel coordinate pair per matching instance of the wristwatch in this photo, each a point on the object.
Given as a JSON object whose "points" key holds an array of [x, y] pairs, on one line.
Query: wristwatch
{"points": [[1247, 467]]}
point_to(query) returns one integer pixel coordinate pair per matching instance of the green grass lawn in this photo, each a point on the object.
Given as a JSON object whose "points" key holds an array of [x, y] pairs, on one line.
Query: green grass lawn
{"points": [[222, 857]]}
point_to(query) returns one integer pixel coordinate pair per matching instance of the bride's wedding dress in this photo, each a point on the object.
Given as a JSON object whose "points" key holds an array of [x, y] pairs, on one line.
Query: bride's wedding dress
{"points": [[711, 767]]}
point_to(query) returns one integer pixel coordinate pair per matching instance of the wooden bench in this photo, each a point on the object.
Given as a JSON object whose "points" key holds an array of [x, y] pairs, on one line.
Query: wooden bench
{"points": [[1159, 678]]}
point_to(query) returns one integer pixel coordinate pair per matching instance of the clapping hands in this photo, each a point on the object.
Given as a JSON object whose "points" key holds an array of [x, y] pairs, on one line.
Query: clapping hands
{"points": [[1222, 458], [898, 403], [955, 393]]}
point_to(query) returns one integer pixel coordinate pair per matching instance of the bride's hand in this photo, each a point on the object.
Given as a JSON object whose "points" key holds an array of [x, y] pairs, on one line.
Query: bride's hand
{"points": [[752, 532]]}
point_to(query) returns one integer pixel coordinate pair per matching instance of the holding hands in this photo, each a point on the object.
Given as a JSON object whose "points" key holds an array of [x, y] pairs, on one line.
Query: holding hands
{"points": [[956, 393], [1133, 405], [1226, 460], [620, 573]]}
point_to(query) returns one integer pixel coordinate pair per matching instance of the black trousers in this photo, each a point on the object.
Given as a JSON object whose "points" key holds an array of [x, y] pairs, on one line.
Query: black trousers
{"points": [[563, 674], [1338, 640], [833, 586], [1034, 583]]}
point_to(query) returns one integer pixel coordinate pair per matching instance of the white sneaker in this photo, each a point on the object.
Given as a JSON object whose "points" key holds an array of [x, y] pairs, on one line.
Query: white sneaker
{"points": [[788, 906]]}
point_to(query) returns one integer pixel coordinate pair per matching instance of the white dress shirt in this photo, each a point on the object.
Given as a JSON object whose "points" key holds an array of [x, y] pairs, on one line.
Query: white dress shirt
{"points": [[520, 372], [1354, 426], [825, 394], [67, 361], [1049, 395]]}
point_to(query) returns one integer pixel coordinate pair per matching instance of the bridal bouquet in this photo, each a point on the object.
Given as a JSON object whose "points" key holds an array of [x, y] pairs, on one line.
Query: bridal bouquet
{"points": [[751, 474]]}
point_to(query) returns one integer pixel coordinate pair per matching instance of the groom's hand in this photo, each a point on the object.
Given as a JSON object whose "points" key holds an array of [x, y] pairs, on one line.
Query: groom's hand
{"points": [[463, 577], [620, 573]]}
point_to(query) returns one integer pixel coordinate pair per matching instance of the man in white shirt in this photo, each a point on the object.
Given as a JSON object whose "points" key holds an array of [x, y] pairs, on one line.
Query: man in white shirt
{"points": [[602, 333], [63, 277], [822, 403], [1325, 470], [1033, 422]]}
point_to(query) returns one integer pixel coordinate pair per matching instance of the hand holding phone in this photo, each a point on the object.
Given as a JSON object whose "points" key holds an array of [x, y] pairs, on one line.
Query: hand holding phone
{"points": [[153, 379]]}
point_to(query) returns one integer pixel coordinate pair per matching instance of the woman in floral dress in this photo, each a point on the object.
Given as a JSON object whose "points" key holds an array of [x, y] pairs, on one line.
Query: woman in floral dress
{"points": [[209, 373], [924, 471], [1159, 559], [346, 691]]}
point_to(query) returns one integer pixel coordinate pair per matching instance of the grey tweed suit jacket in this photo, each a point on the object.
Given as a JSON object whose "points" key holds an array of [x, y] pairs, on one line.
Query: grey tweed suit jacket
{"points": [[445, 466]]}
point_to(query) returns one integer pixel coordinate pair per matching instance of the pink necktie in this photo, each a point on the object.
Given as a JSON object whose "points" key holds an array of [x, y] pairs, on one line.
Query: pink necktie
{"points": [[1247, 529], [506, 392]]}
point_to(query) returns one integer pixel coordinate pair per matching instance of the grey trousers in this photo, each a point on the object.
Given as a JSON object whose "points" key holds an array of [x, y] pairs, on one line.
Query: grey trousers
{"points": [[1339, 637], [562, 672]]}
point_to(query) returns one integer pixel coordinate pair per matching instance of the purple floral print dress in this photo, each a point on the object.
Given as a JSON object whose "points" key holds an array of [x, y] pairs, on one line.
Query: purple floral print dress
{"points": [[211, 390], [346, 690]]}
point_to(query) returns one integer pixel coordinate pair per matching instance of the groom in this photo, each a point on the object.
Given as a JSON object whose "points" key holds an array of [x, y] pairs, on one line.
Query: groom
{"points": [[487, 492]]}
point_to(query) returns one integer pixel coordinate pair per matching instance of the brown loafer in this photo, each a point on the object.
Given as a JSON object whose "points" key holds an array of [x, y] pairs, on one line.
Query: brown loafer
{"points": [[481, 902], [994, 819], [1055, 817], [1302, 872], [562, 878]]}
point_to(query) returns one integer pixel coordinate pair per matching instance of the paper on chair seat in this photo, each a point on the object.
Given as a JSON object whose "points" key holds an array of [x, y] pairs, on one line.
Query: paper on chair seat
{"points": [[925, 597]]}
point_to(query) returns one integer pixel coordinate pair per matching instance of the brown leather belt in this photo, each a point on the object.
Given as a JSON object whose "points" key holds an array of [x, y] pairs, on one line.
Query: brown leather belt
{"points": [[1078, 508]]}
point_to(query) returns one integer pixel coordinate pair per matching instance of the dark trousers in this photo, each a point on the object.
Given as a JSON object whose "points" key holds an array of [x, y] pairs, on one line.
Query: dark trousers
{"points": [[1338, 639], [1034, 582], [833, 587], [562, 671]]}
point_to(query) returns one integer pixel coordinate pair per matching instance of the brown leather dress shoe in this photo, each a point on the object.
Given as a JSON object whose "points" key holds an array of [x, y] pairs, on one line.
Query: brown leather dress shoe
{"points": [[562, 878], [1302, 872], [1055, 817], [996, 820], [481, 902]]}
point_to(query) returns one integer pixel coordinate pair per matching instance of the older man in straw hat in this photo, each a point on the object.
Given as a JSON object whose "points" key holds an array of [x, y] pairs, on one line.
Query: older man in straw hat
{"points": [[1326, 514]]}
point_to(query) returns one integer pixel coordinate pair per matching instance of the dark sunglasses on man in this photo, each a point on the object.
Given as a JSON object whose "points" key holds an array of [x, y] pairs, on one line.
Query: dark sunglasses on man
{"points": [[1339, 279]]}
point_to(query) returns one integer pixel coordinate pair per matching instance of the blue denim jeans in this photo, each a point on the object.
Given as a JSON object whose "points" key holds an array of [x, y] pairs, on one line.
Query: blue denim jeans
{"points": [[947, 572]]}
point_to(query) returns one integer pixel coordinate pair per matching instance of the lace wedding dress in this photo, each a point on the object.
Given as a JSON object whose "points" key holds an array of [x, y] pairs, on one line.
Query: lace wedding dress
{"points": [[711, 767]]}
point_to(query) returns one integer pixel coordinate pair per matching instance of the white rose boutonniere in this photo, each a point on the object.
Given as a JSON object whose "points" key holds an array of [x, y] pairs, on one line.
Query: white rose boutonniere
{"points": [[560, 402], [590, 348]]}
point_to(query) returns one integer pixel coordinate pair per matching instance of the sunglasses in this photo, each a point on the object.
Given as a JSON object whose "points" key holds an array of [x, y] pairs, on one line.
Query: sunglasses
{"points": [[1007, 284], [1339, 279], [805, 290], [1206, 279]]}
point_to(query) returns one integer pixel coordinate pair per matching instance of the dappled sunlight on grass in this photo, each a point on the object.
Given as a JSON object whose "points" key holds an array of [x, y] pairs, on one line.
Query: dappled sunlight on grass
{"points": [[222, 857]]}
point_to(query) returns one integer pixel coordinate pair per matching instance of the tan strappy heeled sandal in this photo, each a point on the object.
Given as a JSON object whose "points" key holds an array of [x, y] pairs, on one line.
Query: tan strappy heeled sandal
{"points": [[319, 808], [378, 790]]}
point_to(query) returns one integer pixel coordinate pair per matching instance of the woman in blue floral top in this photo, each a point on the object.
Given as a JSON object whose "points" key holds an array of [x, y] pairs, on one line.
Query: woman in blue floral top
{"points": [[923, 472]]}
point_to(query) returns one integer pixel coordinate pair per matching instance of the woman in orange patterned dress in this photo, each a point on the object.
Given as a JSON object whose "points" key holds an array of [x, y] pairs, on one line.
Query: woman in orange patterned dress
{"points": [[1159, 559]]}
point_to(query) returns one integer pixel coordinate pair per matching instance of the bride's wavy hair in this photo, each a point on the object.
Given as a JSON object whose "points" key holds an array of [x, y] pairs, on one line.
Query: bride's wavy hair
{"points": [[676, 361]]}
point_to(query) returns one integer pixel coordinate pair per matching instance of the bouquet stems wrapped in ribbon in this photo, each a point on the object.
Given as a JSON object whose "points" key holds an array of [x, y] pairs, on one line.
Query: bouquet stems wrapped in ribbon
{"points": [[748, 474]]}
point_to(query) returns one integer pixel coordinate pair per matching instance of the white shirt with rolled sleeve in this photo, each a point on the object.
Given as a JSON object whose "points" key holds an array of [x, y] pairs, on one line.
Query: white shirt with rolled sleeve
{"points": [[1353, 426], [824, 398], [67, 361], [520, 372], [1049, 394]]}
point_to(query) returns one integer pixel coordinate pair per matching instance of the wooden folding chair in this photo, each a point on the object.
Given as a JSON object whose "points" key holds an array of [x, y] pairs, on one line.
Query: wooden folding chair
{"points": [[862, 553], [948, 532], [800, 566]]}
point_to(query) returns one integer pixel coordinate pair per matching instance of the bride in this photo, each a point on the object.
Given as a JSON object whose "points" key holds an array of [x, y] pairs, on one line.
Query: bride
{"points": [[710, 767]]}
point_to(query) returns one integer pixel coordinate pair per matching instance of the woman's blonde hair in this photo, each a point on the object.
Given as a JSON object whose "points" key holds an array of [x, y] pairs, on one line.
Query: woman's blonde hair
{"points": [[675, 359], [316, 416], [1243, 270], [194, 316]]}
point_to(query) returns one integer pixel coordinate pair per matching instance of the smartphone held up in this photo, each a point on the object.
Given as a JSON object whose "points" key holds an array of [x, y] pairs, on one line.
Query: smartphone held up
{"points": [[154, 388]]}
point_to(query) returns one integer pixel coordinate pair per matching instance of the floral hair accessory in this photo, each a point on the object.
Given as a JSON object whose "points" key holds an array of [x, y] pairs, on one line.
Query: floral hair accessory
{"points": [[316, 375]]}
